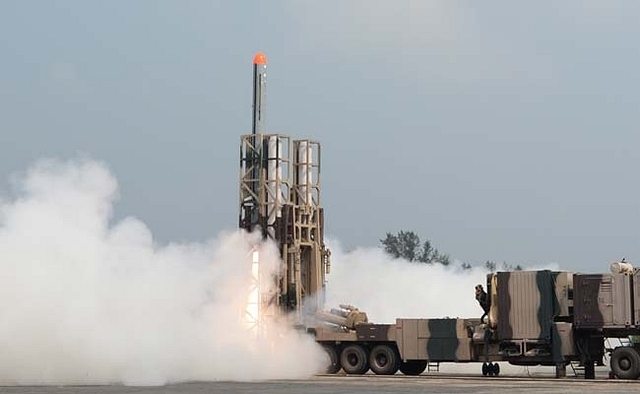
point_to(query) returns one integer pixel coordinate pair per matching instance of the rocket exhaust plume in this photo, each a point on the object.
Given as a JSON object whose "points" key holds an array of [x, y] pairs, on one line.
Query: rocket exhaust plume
{"points": [[85, 299]]}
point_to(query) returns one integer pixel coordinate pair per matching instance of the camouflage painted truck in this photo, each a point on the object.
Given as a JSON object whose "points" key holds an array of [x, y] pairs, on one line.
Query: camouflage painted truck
{"points": [[549, 318]]}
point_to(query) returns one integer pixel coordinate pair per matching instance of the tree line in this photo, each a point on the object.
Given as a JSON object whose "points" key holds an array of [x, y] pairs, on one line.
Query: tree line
{"points": [[408, 246]]}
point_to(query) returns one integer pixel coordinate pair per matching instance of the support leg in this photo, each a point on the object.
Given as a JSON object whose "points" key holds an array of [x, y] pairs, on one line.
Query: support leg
{"points": [[589, 370]]}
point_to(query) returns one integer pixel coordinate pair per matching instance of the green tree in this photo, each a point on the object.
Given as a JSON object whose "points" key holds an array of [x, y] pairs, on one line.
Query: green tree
{"points": [[407, 245], [391, 245], [511, 267], [491, 266]]}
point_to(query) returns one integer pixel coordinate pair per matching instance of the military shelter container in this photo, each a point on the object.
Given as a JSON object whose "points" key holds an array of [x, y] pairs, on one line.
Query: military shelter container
{"points": [[602, 300]]}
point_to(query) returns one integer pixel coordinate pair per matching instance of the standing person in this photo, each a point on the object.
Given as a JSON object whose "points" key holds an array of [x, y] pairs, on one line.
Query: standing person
{"points": [[481, 297]]}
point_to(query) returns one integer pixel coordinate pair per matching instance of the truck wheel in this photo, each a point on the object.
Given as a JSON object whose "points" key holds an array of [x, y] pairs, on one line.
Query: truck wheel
{"points": [[491, 369], [354, 360], [334, 365], [625, 363], [413, 367], [383, 360]]}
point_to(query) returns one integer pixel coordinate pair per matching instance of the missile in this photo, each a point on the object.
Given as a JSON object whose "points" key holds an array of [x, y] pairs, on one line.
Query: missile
{"points": [[259, 91]]}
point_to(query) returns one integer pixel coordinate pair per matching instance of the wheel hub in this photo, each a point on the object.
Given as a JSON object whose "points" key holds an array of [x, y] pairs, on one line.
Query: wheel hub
{"points": [[625, 364]]}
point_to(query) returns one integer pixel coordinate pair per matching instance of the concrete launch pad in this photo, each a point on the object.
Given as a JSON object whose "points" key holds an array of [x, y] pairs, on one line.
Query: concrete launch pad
{"points": [[330, 384]]}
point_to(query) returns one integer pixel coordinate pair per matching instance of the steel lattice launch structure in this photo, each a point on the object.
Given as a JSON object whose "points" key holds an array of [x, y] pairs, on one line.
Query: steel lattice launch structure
{"points": [[280, 197]]}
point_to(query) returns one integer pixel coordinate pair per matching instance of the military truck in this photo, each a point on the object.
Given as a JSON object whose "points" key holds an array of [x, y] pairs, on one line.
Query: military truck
{"points": [[543, 317]]}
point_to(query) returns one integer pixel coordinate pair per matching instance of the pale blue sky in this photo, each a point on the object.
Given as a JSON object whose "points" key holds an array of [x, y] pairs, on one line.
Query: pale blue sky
{"points": [[499, 130]]}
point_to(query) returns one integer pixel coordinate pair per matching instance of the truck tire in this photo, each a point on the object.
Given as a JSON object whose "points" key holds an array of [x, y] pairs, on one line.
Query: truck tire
{"points": [[334, 365], [625, 363], [491, 369], [354, 360], [384, 360], [413, 367]]}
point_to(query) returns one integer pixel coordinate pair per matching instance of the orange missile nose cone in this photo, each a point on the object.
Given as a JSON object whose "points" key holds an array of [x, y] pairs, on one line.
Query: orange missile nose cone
{"points": [[259, 58]]}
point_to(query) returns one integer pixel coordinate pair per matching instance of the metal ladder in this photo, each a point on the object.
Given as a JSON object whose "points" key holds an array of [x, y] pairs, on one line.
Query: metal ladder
{"points": [[578, 368], [433, 366]]}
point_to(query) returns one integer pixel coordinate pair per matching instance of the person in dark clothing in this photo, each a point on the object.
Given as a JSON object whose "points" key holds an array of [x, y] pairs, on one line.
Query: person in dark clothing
{"points": [[481, 297]]}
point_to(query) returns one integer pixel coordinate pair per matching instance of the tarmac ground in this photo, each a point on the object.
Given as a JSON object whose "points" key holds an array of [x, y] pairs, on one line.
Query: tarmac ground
{"points": [[330, 384]]}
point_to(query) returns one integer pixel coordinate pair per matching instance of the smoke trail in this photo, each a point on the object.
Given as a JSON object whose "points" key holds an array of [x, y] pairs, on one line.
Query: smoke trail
{"points": [[85, 301]]}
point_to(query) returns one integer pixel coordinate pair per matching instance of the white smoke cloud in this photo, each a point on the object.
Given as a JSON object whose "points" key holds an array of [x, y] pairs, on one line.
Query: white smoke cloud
{"points": [[387, 288], [87, 301]]}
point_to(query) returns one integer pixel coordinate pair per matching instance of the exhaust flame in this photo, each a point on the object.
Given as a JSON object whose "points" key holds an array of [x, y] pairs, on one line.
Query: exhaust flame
{"points": [[252, 311]]}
